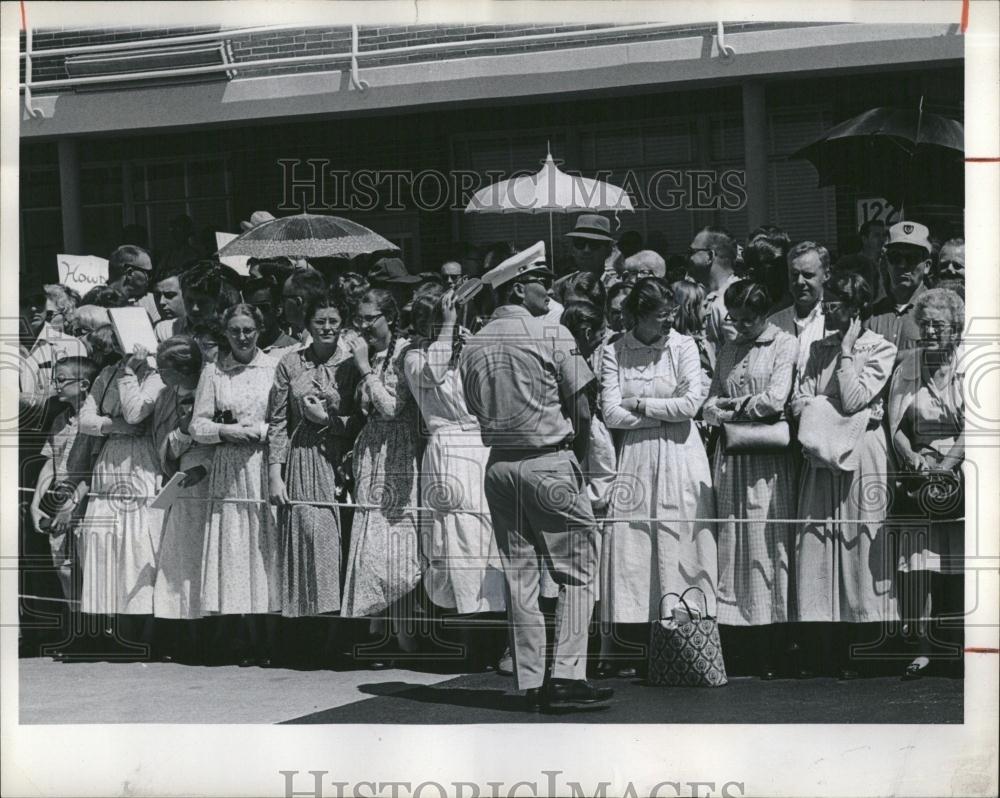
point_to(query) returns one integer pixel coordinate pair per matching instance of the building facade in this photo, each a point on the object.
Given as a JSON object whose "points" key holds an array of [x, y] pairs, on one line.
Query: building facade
{"points": [[132, 127]]}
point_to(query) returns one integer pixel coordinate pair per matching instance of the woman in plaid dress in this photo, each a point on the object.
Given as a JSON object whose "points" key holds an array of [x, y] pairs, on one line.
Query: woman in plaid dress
{"points": [[753, 373]]}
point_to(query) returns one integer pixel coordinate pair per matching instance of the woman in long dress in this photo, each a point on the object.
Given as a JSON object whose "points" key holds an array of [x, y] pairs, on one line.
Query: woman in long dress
{"points": [[927, 422], [752, 382], [120, 533], [240, 555], [843, 560], [463, 571], [651, 389], [383, 564], [177, 595], [309, 429]]}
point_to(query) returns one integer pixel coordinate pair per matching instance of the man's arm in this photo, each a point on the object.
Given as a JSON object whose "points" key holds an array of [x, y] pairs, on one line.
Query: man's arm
{"points": [[577, 409]]}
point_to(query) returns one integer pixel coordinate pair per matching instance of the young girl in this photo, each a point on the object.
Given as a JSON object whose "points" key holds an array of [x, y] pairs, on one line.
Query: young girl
{"points": [[178, 569], [383, 565]]}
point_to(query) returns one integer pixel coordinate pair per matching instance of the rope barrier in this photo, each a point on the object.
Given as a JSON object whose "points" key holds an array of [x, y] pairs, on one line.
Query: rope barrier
{"points": [[134, 497]]}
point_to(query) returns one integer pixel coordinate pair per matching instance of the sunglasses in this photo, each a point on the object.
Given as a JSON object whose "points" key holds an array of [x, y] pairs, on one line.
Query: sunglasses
{"points": [[580, 244], [543, 281], [907, 259]]}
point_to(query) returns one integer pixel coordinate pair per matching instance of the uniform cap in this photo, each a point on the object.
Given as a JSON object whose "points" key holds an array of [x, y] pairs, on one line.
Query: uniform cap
{"points": [[912, 233], [528, 260]]}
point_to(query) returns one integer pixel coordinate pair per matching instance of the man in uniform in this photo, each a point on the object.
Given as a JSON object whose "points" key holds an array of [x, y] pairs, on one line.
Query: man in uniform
{"points": [[908, 255], [524, 380]]}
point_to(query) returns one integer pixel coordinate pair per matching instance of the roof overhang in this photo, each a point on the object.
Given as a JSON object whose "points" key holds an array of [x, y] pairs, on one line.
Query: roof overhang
{"points": [[639, 66]]}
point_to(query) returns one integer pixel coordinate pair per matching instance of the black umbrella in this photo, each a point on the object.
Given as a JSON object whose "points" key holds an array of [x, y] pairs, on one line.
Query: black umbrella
{"points": [[901, 155]]}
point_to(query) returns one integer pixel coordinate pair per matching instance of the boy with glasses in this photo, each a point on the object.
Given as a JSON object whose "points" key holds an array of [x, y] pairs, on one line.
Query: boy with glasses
{"points": [[55, 506]]}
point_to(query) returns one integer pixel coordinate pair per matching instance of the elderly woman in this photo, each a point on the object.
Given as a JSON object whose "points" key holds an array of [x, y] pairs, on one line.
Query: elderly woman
{"points": [[752, 382], [177, 594], [926, 422], [842, 558], [651, 389]]}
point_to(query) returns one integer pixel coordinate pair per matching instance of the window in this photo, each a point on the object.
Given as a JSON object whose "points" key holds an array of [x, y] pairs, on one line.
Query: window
{"points": [[195, 187]]}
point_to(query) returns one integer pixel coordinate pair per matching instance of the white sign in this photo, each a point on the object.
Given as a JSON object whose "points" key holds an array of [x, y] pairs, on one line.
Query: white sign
{"points": [[235, 262], [133, 328], [877, 208], [82, 272]]}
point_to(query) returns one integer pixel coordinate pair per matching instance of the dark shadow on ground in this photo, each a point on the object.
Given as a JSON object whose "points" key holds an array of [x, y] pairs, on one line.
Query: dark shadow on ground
{"points": [[490, 698]]}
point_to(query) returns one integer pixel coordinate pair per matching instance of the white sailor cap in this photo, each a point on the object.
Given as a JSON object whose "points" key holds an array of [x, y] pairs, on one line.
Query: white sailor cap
{"points": [[531, 259]]}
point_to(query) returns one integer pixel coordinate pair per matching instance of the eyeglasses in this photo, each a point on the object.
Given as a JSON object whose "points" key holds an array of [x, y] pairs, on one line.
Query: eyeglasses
{"points": [[692, 251], [638, 274], [831, 305], [934, 326], [951, 265], [364, 318], [60, 381], [580, 244]]}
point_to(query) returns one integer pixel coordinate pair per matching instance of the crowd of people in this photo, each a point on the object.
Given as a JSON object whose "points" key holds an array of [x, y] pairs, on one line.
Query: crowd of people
{"points": [[747, 417]]}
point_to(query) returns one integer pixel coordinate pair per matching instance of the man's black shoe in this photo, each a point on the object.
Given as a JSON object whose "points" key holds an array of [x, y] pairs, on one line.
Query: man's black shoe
{"points": [[569, 692]]}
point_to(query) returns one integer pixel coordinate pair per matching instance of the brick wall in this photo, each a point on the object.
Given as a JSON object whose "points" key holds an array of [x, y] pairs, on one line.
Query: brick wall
{"points": [[336, 41]]}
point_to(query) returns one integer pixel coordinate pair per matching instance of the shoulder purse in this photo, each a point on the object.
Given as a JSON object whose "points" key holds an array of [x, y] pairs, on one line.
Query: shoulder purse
{"points": [[767, 435], [829, 438]]}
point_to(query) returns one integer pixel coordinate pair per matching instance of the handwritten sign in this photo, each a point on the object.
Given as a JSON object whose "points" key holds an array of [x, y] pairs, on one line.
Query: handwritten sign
{"points": [[877, 208], [82, 272], [236, 262]]}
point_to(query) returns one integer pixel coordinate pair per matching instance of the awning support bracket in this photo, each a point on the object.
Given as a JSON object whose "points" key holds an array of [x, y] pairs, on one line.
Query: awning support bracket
{"points": [[726, 53], [356, 80]]}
